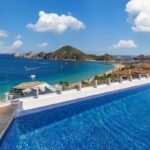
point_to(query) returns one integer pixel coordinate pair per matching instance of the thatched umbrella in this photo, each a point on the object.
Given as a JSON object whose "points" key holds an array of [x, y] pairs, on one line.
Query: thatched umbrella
{"points": [[24, 86]]}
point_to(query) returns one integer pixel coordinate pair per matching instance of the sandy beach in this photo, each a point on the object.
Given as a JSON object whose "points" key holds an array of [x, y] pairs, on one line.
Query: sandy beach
{"points": [[116, 67]]}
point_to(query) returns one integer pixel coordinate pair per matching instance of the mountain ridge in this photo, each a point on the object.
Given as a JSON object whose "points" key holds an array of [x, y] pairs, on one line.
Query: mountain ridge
{"points": [[67, 53]]}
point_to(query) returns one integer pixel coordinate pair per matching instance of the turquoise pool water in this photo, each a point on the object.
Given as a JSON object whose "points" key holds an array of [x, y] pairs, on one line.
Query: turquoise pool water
{"points": [[12, 71], [114, 121]]}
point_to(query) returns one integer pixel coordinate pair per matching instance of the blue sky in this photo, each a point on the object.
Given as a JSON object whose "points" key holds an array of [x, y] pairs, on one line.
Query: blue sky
{"points": [[94, 26]]}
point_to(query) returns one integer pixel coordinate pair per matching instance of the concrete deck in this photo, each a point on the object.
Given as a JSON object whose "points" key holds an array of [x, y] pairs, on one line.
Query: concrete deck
{"points": [[31, 105], [7, 114]]}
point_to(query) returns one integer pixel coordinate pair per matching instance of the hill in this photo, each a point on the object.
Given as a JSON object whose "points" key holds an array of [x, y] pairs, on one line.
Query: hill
{"points": [[68, 53], [106, 57]]}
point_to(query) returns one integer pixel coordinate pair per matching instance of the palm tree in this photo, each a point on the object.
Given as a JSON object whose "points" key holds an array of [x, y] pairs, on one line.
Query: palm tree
{"points": [[64, 84]]}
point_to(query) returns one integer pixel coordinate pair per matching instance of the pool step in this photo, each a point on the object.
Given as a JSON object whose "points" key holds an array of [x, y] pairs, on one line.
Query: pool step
{"points": [[7, 114]]}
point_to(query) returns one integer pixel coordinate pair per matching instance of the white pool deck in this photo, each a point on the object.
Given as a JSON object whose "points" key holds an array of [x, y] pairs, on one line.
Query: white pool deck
{"points": [[30, 105]]}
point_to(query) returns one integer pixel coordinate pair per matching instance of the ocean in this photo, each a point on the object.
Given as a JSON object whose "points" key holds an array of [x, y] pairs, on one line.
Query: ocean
{"points": [[17, 70]]}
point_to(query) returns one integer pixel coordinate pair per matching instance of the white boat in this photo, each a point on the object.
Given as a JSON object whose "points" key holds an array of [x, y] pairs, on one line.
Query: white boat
{"points": [[32, 76]]}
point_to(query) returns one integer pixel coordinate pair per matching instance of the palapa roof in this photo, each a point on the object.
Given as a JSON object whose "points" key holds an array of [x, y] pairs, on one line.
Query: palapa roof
{"points": [[27, 85]]}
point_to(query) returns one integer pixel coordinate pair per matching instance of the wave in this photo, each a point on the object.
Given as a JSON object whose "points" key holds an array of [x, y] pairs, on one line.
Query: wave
{"points": [[27, 68]]}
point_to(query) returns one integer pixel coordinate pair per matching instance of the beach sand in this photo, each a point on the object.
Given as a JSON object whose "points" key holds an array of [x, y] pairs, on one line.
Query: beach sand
{"points": [[116, 67]]}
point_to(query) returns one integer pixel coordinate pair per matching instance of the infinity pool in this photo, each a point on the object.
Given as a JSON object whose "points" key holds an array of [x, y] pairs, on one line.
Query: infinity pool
{"points": [[114, 121]]}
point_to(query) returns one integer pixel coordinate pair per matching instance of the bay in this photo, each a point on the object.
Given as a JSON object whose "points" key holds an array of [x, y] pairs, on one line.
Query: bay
{"points": [[14, 71]]}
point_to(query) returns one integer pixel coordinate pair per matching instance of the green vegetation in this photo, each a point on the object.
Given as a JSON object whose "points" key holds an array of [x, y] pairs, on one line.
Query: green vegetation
{"points": [[67, 53], [106, 57], [104, 77], [64, 84]]}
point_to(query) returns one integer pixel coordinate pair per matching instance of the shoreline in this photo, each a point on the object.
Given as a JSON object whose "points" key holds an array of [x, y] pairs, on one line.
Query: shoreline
{"points": [[116, 67]]}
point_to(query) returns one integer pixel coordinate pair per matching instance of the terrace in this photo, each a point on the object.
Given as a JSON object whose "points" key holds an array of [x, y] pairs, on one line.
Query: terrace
{"points": [[39, 102], [7, 114]]}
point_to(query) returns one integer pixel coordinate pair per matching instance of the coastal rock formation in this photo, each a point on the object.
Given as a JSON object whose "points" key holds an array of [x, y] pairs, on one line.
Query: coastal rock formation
{"points": [[26, 55], [66, 53], [106, 57]]}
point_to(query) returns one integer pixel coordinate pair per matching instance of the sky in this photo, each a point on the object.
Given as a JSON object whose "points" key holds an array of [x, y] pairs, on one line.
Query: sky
{"points": [[118, 27]]}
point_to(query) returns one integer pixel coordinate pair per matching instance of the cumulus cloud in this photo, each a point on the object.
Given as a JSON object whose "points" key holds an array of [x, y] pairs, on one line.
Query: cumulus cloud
{"points": [[43, 45], [139, 12], [16, 44], [11, 48], [125, 44], [52, 22], [3, 34]]}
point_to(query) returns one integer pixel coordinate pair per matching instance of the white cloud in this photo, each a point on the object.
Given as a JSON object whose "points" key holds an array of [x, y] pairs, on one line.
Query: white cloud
{"points": [[43, 45], [125, 44], [3, 34], [52, 22], [139, 12], [12, 48], [16, 44]]}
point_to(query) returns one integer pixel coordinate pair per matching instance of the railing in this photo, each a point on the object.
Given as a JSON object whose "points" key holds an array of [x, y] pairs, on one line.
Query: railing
{"points": [[108, 81], [80, 85]]}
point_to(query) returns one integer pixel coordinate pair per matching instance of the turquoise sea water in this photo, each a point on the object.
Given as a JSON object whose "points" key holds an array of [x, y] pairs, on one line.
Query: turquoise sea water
{"points": [[12, 71]]}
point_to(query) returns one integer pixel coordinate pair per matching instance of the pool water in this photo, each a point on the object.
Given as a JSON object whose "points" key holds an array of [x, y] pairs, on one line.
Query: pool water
{"points": [[113, 121]]}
